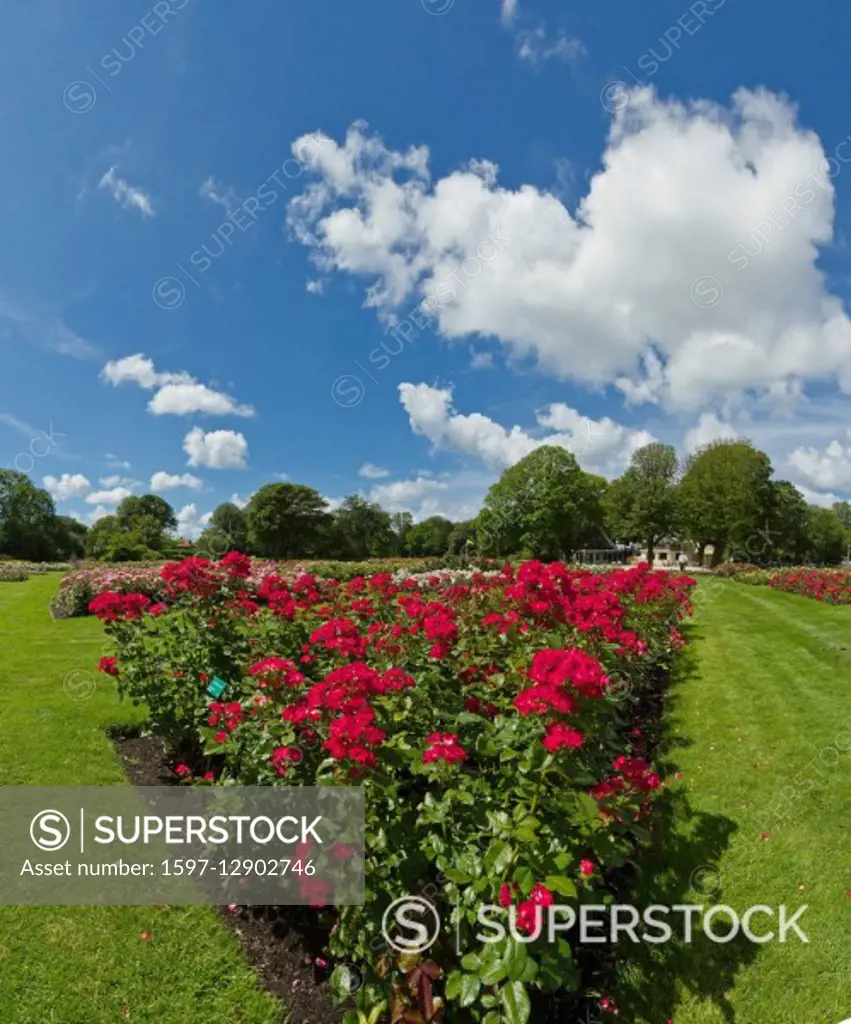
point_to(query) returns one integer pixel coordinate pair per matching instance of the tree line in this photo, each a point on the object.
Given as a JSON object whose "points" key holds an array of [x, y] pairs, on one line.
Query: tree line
{"points": [[545, 506]]}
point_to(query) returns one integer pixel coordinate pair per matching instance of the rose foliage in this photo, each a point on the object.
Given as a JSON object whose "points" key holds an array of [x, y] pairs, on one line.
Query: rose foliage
{"points": [[494, 725]]}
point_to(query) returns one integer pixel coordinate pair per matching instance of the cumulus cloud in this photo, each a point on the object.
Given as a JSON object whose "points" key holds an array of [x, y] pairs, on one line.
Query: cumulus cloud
{"points": [[108, 497], [69, 485], [826, 468], [372, 472], [96, 514], [129, 196], [695, 184], [183, 399], [190, 523], [218, 449], [455, 496], [119, 481], [168, 481], [707, 429], [177, 394], [601, 446]]}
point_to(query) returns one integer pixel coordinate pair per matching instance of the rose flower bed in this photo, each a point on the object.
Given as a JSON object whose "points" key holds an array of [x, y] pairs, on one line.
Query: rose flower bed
{"points": [[493, 725], [831, 586]]}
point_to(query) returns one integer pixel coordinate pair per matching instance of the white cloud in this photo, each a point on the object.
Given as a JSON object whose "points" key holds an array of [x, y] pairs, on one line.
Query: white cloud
{"points": [[692, 183], [828, 468], [139, 369], [455, 496], [239, 501], [372, 472], [190, 523], [119, 481], [67, 486], [183, 399], [109, 497], [218, 449], [114, 462], [129, 196], [96, 513], [536, 47], [177, 394], [223, 195], [819, 498], [162, 481], [481, 360], [509, 11], [707, 429], [315, 287], [601, 446]]}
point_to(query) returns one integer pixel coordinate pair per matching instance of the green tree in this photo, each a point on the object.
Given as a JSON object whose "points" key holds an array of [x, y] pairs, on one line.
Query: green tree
{"points": [[641, 505], [227, 531], [724, 497], [827, 542], [785, 536], [400, 524], [429, 537], [463, 538], [545, 504], [69, 538], [144, 522], [286, 521], [27, 518], [363, 529]]}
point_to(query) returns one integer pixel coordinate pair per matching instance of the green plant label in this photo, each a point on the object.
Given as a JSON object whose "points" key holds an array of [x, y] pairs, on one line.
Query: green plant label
{"points": [[217, 687]]}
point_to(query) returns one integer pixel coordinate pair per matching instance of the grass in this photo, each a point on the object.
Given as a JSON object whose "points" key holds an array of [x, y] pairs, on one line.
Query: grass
{"points": [[758, 726], [89, 965], [756, 723]]}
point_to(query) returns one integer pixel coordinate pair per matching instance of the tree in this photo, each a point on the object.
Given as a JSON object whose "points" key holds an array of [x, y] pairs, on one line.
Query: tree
{"points": [[27, 518], [842, 511], [642, 504], [286, 520], [69, 538], [144, 522], [400, 524], [545, 504], [724, 497], [785, 536], [227, 531], [429, 538], [363, 529], [826, 536], [463, 538]]}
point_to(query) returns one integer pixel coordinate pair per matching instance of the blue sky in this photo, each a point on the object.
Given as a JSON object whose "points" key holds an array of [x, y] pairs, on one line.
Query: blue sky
{"points": [[594, 224]]}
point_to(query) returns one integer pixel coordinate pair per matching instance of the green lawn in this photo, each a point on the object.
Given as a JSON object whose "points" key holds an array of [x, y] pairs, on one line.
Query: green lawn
{"points": [[88, 965], [757, 723], [759, 726]]}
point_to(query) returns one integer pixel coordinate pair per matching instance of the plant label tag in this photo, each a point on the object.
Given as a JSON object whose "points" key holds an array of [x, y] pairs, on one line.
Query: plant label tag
{"points": [[217, 687]]}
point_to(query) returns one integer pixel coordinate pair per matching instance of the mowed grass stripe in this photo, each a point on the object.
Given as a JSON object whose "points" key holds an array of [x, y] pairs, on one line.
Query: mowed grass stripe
{"points": [[760, 726], [88, 965]]}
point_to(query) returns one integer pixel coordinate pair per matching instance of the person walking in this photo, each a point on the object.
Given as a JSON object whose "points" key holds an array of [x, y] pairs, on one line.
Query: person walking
{"points": [[682, 561]]}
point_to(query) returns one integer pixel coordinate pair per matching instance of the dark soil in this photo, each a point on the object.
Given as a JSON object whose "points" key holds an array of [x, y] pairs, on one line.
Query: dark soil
{"points": [[280, 946]]}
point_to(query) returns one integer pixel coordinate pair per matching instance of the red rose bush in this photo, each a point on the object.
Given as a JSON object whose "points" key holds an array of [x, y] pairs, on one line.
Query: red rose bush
{"points": [[493, 721]]}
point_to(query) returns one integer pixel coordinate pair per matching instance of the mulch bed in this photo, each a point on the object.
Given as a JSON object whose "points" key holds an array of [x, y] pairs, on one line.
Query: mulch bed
{"points": [[280, 947]]}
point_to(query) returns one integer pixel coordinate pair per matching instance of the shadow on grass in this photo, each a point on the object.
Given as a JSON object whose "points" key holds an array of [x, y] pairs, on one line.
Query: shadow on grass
{"points": [[681, 867]]}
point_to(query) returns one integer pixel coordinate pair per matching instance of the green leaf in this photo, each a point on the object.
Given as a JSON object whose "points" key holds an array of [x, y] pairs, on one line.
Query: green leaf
{"points": [[515, 1003], [560, 884], [470, 987], [515, 958]]}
